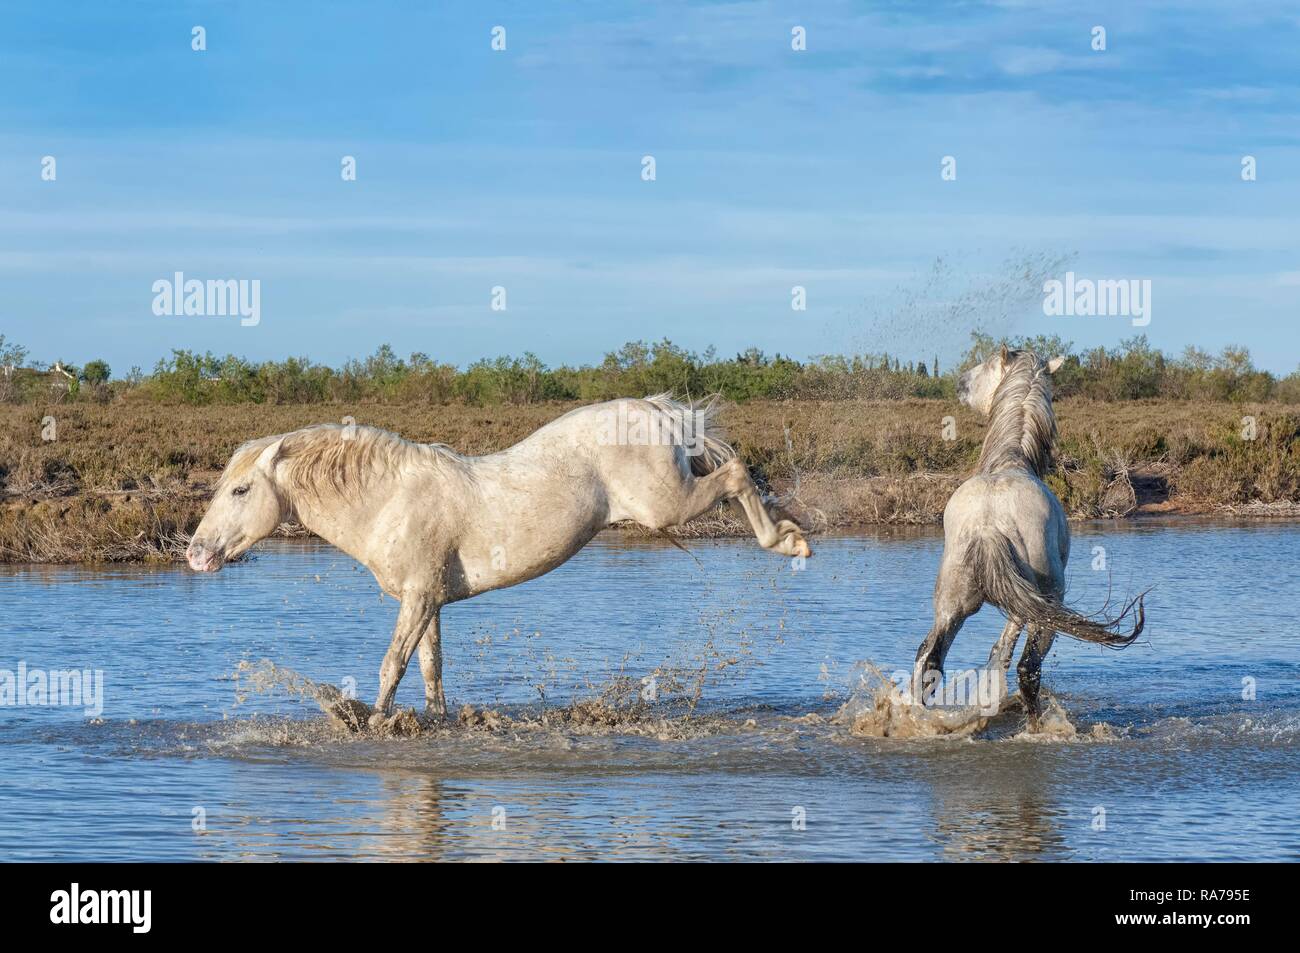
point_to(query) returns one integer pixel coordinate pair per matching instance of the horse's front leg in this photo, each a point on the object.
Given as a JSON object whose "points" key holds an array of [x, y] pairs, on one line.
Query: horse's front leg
{"points": [[435, 703], [418, 607]]}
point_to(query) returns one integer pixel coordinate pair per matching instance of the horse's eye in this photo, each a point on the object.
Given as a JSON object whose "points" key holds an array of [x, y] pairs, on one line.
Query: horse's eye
{"points": [[239, 490]]}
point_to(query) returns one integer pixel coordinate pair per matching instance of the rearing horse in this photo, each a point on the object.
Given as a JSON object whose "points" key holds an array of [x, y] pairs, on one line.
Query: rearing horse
{"points": [[436, 527], [1006, 539]]}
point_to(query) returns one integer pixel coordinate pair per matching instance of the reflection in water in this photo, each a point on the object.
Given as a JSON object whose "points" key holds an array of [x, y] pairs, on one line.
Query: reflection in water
{"points": [[751, 666], [1019, 821]]}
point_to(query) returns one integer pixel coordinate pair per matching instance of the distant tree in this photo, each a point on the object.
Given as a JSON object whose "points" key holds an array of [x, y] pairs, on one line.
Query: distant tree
{"points": [[96, 372], [11, 358], [11, 355]]}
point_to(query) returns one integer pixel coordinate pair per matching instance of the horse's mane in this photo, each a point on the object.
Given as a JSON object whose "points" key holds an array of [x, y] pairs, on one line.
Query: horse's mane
{"points": [[335, 459], [1022, 424]]}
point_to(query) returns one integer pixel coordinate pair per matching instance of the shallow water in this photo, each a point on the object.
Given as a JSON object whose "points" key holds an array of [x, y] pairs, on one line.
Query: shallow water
{"points": [[724, 764]]}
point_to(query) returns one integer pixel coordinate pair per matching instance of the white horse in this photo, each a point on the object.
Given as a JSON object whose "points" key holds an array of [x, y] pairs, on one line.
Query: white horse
{"points": [[436, 527], [1006, 539]]}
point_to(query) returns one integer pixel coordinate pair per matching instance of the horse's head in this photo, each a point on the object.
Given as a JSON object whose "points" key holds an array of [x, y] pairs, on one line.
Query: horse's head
{"points": [[246, 507], [976, 387]]}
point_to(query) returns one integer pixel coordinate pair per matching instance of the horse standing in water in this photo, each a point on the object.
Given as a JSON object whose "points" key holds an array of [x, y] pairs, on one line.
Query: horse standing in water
{"points": [[436, 527], [1006, 539]]}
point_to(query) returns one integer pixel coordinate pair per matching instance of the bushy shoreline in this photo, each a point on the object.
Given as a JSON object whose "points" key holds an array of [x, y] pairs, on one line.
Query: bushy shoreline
{"points": [[1132, 370], [128, 481]]}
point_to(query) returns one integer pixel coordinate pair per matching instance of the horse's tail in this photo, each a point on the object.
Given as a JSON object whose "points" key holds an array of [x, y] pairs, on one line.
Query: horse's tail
{"points": [[702, 435], [1011, 585]]}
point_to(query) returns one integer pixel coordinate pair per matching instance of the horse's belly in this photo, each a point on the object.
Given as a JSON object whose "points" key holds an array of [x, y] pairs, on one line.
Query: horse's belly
{"points": [[531, 516], [499, 565]]}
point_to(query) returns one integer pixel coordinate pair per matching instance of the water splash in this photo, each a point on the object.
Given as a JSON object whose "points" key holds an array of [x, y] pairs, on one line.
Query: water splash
{"points": [[616, 708], [1054, 724], [879, 708], [349, 714]]}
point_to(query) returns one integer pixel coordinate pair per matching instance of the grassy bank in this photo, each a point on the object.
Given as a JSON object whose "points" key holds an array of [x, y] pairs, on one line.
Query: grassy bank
{"points": [[129, 480]]}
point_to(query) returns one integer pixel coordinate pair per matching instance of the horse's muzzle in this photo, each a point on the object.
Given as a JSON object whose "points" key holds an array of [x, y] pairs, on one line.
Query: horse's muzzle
{"points": [[203, 558]]}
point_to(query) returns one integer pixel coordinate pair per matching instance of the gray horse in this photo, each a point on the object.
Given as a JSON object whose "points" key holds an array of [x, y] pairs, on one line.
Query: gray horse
{"points": [[1006, 540]]}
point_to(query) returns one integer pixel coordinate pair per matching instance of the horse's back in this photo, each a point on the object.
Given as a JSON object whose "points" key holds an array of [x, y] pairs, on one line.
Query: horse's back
{"points": [[590, 429], [628, 439], [1013, 504]]}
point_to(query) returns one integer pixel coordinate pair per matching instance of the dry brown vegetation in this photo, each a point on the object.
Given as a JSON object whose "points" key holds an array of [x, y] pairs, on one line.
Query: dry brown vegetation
{"points": [[128, 481]]}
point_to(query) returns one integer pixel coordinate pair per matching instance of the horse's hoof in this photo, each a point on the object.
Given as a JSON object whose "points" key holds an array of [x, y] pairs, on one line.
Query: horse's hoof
{"points": [[792, 542]]}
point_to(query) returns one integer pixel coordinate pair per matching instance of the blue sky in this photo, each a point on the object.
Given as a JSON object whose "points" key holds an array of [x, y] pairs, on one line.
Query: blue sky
{"points": [[522, 169]]}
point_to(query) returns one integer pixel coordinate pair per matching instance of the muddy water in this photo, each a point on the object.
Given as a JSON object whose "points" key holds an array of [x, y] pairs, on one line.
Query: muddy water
{"points": [[209, 747]]}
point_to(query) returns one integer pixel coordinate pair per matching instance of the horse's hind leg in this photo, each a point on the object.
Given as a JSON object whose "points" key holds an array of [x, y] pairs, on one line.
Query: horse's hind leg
{"points": [[435, 703], [694, 496], [934, 649], [784, 536], [957, 597], [1029, 671]]}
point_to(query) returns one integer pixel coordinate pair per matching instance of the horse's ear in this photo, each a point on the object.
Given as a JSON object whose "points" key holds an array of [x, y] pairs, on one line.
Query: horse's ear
{"points": [[1055, 363], [1005, 354], [266, 459]]}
